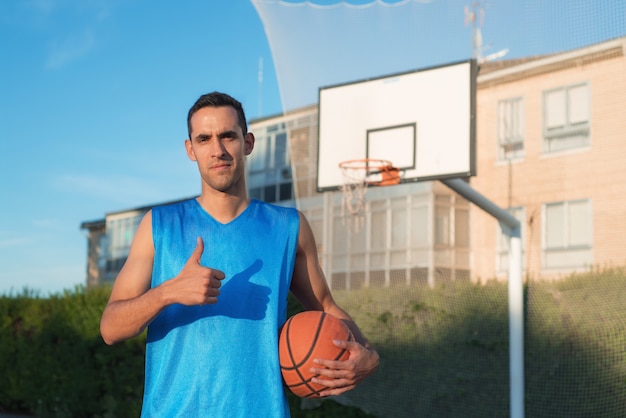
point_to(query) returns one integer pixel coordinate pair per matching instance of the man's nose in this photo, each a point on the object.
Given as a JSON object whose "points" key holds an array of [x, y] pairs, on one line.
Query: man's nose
{"points": [[217, 148]]}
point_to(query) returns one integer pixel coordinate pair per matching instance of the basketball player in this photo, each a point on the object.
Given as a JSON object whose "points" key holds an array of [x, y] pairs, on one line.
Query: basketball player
{"points": [[209, 278]]}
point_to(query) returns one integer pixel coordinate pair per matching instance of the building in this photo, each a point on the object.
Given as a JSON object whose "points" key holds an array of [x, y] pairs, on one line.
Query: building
{"points": [[550, 148], [108, 243], [407, 233]]}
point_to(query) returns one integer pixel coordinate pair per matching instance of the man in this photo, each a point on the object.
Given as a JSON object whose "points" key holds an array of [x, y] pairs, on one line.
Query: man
{"points": [[209, 278]]}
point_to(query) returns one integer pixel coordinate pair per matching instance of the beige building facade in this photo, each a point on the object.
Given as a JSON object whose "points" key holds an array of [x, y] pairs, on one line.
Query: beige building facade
{"points": [[551, 148]]}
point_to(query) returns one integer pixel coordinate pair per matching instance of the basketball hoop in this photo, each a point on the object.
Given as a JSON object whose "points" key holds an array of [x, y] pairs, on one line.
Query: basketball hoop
{"points": [[358, 175]]}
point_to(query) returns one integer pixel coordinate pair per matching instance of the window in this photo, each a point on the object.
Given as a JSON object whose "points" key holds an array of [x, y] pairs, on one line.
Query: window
{"points": [[567, 234], [399, 239], [442, 225], [461, 227], [503, 243], [256, 160], [120, 231], [380, 234], [102, 255], [451, 222], [281, 159], [269, 168], [419, 220], [451, 235], [566, 118], [510, 128]]}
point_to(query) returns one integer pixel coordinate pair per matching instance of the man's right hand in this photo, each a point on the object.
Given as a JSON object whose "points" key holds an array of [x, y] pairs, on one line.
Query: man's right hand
{"points": [[195, 284]]}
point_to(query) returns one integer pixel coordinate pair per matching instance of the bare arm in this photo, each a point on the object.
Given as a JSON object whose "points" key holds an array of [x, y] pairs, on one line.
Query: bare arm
{"points": [[309, 286], [133, 304]]}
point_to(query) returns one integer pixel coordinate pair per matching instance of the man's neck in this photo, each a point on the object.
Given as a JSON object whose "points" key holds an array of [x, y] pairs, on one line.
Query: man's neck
{"points": [[223, 207]]}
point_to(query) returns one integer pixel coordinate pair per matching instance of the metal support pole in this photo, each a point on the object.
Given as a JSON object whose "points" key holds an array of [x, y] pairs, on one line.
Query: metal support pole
{"points": [[511, 227]]}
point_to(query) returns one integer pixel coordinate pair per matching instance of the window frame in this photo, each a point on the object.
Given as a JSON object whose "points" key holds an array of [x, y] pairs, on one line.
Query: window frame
{"points": [[581, 253], [570, 134], [511, 139], [269, 169]]}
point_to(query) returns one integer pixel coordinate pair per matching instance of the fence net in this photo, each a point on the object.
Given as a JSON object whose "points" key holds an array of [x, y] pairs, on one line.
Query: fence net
{"points": [[445, 352], [550, 148]]}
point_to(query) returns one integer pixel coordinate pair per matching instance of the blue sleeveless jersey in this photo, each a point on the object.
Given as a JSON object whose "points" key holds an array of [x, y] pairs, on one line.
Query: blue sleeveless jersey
{"points": [[221, 360]]}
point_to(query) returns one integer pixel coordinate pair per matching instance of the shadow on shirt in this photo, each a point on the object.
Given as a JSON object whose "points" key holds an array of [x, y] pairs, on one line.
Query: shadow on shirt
{"points": [[239, 298]]}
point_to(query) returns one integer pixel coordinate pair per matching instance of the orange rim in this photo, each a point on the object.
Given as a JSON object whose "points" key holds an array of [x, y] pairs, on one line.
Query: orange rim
{"points": [[390, 175]]}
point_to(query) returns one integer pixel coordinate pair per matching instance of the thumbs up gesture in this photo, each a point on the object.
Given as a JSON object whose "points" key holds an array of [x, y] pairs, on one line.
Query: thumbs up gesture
{"points": [[195, 284]]}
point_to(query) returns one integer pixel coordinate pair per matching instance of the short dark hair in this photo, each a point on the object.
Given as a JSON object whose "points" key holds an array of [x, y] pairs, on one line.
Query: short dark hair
{"points": [[217, 99]]}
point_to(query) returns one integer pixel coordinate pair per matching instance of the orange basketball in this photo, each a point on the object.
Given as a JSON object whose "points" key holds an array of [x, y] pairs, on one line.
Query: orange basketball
{"points": [[304, 337]]}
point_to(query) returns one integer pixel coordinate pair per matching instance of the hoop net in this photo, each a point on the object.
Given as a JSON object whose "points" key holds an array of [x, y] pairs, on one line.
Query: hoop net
{"points": [[358, 175]]}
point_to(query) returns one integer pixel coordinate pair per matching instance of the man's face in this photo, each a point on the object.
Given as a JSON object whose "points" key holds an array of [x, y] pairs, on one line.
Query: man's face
{"points": [[219, 147]]}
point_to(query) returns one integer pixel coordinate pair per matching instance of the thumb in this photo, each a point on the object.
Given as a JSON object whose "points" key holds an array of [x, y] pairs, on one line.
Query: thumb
{"points": [[197, 252]]}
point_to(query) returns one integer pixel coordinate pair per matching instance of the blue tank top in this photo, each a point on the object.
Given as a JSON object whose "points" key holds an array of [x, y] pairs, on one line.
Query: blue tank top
{"points": [[221, 360]]}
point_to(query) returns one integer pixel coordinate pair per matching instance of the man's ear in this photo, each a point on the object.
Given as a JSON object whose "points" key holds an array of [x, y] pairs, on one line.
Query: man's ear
{"points": [[248, 143], [189, 148]]}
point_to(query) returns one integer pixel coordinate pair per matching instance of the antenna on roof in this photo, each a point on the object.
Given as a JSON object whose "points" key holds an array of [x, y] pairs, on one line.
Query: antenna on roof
{"points": [[475, 15]]}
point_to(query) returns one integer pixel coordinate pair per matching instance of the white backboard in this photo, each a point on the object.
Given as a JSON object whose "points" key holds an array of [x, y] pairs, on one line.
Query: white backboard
{"points": [[423, 122]]}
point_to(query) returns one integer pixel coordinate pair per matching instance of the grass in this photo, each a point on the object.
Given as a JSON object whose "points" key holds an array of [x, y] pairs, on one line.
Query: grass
{"points": [[445, 352]]}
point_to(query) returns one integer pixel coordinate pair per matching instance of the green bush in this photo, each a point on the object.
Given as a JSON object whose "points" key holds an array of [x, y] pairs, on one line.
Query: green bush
{"points": [[55, 364], [444, 352]]}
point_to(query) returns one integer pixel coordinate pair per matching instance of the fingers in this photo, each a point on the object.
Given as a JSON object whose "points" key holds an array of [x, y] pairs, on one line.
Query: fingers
{"points": [[212, 289], [334, 369], [211, 294], [197, 284], [196, 255], [217, 274], [336, 373], [337, 381], [351, 346], [342, 376], [335, 387]]}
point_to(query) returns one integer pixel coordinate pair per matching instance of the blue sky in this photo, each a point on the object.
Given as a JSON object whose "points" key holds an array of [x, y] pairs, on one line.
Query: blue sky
{"points": [[94, 95], [93, 101]]}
